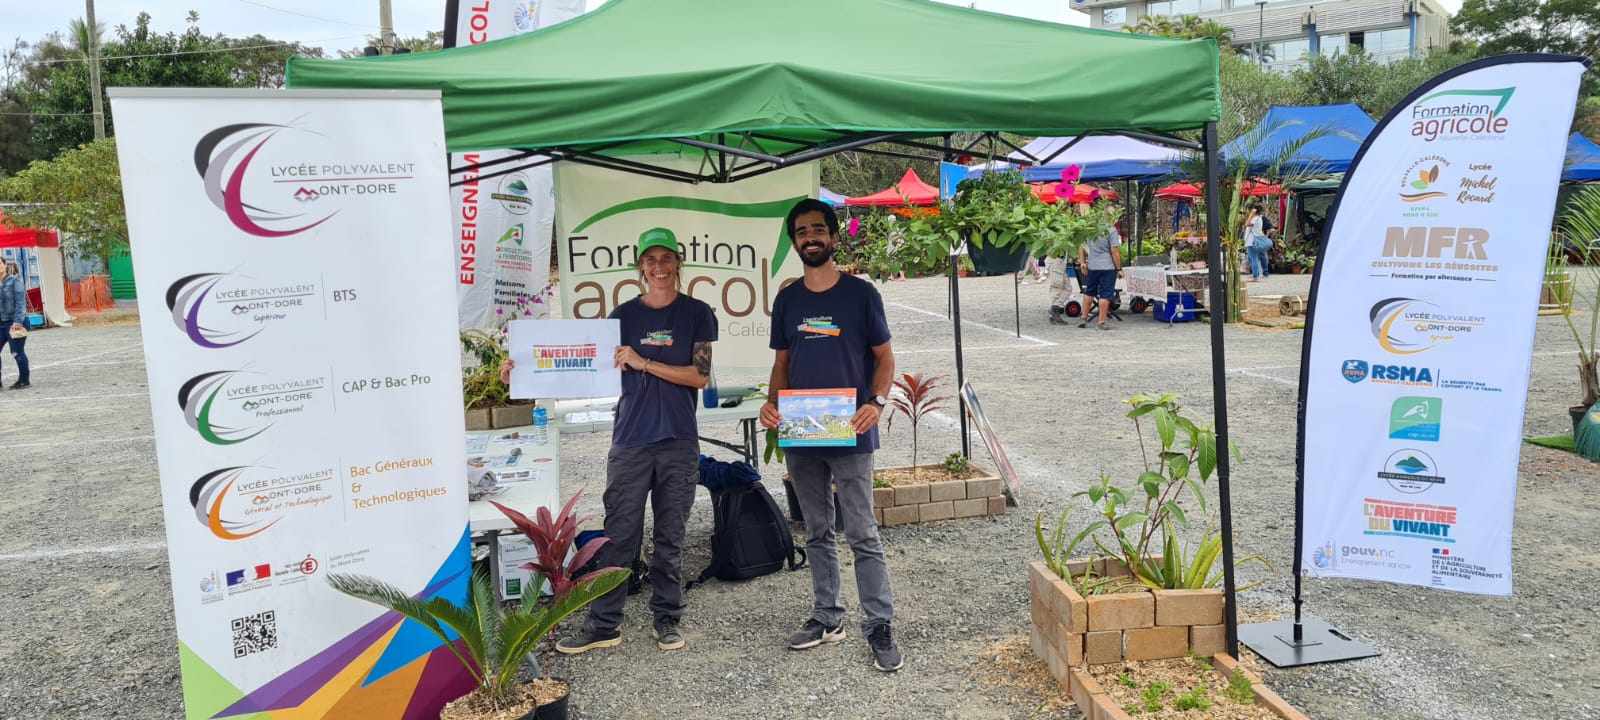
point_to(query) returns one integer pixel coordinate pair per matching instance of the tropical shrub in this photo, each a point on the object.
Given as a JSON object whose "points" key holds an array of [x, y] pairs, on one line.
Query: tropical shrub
{"points": [[1582, 225], [495, 640], [913, 396]]}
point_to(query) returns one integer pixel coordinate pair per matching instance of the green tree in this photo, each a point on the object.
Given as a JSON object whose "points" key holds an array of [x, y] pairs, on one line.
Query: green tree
{"points": [[53, 84], [1247, 91], [79, 192], [433, 40], [1186, 27], [1558, 26], [1358, 78]]}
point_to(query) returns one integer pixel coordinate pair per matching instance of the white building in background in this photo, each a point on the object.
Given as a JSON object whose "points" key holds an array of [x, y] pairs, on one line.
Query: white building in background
{"points": [[1291, 30]]}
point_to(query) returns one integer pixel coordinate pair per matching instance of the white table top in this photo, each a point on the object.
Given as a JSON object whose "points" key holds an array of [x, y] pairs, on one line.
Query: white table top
{"points": [[582, 416], [530, 479]]}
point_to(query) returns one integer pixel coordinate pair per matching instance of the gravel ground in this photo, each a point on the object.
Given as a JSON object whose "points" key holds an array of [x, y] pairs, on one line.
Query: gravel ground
{"points": [[88, 618]]}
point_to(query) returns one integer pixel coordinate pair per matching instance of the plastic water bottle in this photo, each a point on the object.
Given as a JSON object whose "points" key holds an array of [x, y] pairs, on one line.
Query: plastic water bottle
{"points": [[709, 395], [541, 417]]}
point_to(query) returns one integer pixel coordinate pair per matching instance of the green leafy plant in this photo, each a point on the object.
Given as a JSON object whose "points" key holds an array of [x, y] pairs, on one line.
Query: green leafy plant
{"points": [[1153, 693], [1200, 661], [1239, 689], [1195, 699], [1126, 680], [913, 396], [1582, 225], [956, 464], [496, 640], [999, 209], [1057, 551], [481, 386], [1136, 523]]}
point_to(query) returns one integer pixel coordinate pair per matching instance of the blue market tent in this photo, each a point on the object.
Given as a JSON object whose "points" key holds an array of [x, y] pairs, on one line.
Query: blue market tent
{"points": [[1347, 126], [830, 197], [1583, 160], [1101, 158]]}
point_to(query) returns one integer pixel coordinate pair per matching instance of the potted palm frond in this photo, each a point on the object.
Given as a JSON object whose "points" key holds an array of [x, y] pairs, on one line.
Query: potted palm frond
{"points": [[495, 640], [1582, 225]]}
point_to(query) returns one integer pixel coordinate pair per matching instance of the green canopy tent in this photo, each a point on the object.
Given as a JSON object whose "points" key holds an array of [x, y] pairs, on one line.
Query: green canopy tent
{"points": [[757, 85]]}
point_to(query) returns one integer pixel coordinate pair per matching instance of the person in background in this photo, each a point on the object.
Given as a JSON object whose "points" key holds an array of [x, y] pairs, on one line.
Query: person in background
{"points": [[665, 358], [829, 331], [1103, 258], [13, 318], [1256, 242]]}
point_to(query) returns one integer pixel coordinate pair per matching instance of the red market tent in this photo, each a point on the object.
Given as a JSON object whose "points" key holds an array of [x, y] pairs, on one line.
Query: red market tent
{"points": [[911, 190], [1191, 191], [25, 237], [1080, 193]]}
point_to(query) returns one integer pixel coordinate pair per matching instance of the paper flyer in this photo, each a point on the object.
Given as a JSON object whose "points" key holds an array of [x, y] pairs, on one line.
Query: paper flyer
{"points": [[564, 358], [817, 418]]}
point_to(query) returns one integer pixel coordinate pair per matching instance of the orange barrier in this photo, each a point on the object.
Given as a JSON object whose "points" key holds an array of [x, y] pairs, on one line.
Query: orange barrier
{"points": [[91, 294]]}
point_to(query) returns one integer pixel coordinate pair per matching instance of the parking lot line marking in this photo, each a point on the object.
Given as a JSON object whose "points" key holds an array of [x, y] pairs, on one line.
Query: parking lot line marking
{"points": [[4, 401], [1270, 378], [974, 323], [107, 550], [965, 348], [69, 361], [80, 442]]}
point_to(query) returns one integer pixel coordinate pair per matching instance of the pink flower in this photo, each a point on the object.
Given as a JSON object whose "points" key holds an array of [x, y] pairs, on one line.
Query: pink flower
{"points": [[855, 226], [1064, 191], [1094, 195], [1071, 173], [499, 311]]}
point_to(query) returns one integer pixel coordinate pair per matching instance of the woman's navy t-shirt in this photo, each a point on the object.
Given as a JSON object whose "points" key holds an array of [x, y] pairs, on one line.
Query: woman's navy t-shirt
{"points": [[830, 336], [651, 409]]}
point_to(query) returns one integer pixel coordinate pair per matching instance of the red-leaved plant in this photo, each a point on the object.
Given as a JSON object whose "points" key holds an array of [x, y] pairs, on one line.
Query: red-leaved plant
{"points": [[913, 397], [552, 538]]}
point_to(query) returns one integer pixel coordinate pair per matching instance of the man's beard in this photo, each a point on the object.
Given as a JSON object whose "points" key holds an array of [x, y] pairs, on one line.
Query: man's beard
{"points": [[818, 260]]}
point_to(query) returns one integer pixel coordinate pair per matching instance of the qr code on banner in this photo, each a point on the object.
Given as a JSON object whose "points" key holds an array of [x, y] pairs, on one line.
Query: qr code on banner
{"points": [[255, 633]]}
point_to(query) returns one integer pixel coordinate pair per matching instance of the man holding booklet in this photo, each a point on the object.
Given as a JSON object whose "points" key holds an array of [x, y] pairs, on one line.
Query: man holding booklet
{"points": [[832, 340]]}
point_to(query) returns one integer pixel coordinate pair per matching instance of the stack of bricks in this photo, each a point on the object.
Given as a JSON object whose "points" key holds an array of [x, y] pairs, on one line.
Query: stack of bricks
{"points": [[925, 502], [1070, 630]]}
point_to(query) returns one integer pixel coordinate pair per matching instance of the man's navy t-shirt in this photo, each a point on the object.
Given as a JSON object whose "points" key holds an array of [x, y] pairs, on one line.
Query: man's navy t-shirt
{"points": [[652, 409], [830, 336]]}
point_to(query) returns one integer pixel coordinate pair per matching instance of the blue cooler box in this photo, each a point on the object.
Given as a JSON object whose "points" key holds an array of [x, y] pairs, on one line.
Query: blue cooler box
{"points": [[1179, 307]]}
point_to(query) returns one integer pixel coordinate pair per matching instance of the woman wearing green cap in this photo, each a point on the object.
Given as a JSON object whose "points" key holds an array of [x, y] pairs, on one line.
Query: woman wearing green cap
{"points": [[665, 357]]}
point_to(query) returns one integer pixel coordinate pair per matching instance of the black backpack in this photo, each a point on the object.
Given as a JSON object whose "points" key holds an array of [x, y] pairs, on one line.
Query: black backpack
{"points": [[749, 536]]}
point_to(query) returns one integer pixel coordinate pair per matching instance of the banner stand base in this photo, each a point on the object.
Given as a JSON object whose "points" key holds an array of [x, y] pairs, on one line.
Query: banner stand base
{"points": [[1319, 643]]}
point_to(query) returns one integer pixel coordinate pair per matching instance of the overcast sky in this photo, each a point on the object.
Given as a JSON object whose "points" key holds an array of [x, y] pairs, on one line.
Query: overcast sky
{"points": [[330, 24]]}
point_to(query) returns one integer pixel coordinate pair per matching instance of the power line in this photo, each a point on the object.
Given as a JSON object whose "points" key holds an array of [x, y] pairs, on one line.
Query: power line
{"points": [[307, 15], [104, 58]]}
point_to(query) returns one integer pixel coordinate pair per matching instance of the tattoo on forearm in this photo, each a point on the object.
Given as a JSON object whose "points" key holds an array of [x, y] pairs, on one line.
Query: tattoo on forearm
{"points": [[702, 358]]}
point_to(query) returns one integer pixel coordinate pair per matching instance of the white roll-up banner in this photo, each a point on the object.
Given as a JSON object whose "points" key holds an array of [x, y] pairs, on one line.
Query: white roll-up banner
{"points": [[1419, 339], [502, 223], [297, 313]]}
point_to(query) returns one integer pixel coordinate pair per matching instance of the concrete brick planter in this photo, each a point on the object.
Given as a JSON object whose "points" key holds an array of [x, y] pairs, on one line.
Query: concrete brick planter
{"points": [[1070, 632], [944, 500], [504, 416]]}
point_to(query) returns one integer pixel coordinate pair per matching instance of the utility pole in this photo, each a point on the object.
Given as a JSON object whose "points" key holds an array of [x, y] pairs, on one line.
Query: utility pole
{"points": [[386, 37], [94, 70]]}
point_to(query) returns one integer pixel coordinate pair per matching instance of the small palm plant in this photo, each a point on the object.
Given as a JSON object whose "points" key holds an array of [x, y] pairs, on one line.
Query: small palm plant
{"points": [[1582, 225], [914, 397], [495, 639]]}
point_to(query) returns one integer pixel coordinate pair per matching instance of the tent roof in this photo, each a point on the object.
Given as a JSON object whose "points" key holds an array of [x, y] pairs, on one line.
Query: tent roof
{"points": [[830, 197], [1583, 160], [910, 190], [634, 76], [1347, 124], [1101, 157], [25, 236]]}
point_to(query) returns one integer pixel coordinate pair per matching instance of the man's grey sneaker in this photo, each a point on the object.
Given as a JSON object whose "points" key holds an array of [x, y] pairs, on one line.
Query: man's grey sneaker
{"points": [[1105, 326], [585, 640], [885, 655], [667, 635], [814, 633]]}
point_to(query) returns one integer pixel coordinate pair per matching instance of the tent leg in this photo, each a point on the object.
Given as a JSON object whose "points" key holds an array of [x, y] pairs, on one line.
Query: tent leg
{"points": [[1016, 300], [961, 373], [1217, 309]]}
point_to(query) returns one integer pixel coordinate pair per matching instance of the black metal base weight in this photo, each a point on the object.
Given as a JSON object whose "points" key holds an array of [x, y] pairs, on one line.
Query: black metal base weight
{"points": [[1319, 642]]}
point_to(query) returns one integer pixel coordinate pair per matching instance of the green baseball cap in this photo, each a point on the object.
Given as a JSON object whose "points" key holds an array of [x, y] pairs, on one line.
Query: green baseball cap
{"points": [[658, 237]]}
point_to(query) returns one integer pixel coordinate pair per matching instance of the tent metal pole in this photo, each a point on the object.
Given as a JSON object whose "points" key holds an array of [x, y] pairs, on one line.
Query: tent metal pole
{"points": [[822, 151], [1062, 149], [1217, 308], [488, 176], [1161, 139], [478, 167], [1016, 296], [955, 314], [1015, 147], [633, 167]]}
